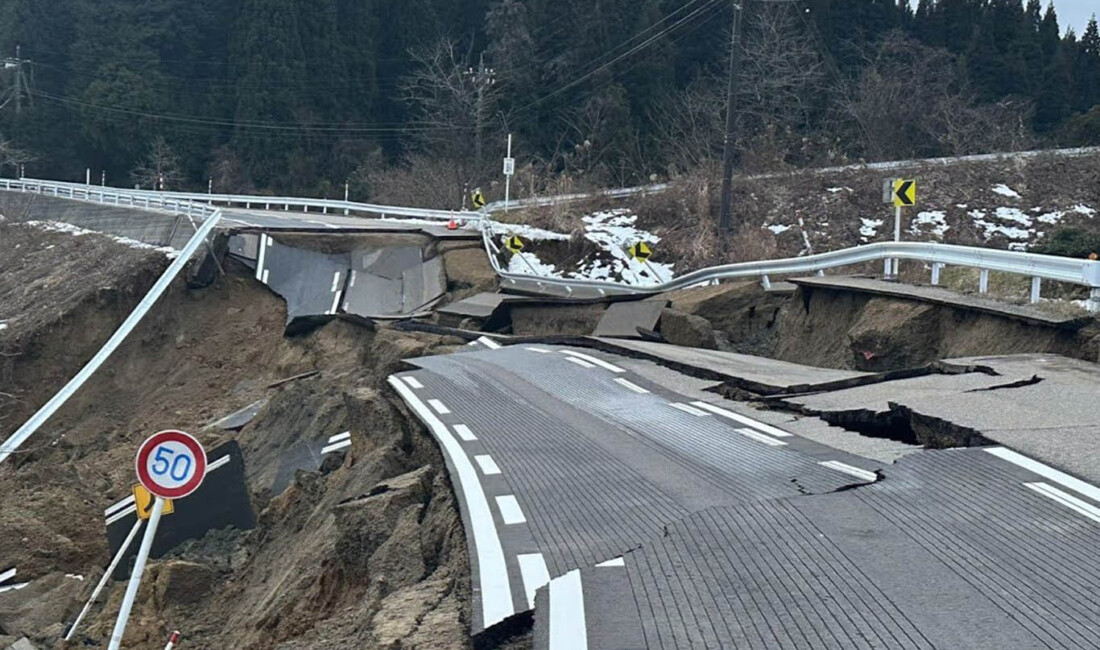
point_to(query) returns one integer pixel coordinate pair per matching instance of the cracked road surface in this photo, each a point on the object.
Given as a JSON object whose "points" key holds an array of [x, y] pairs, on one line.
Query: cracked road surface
{"points": [[628, 516]]}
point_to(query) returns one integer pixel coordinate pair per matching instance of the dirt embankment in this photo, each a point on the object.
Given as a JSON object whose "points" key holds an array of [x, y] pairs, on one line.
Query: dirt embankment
{"points": [[365, 553]]}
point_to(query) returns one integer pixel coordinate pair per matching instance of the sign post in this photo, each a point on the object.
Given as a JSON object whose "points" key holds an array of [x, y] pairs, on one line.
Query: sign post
{"points": [[902, 193], [509, 169], [170, 465]]}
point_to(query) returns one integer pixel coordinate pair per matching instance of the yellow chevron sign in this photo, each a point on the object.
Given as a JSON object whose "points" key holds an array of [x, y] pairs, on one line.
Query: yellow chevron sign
{"points": [[905, 193], [640, 251], [513, 243]]}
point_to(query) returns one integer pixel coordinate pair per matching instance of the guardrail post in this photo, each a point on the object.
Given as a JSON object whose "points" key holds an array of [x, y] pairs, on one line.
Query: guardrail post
{"points": [[983, 281], [936, 267], [1036, 288], [1093, 304], [886, 270], [766, 282]]}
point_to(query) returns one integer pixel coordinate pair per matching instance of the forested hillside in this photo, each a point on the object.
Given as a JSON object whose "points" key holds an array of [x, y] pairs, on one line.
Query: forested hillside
{"points": [[300, 95]]}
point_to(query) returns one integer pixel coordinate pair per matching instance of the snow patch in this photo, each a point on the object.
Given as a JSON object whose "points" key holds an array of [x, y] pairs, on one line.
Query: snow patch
{"points": [[778, 229], [523, 231], [1085, 210], [3, 326], [834, 190], [1014, 215], [869, 228], [1005, 190], [934, 218], [1051, 217], [529, 263], [58, 226]]}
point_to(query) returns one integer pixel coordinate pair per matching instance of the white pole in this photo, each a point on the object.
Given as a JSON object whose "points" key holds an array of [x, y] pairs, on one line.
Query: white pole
{"points": [[88, 176], [210, 186], [508, 177], [172, 640], [106, 576], [897, 235], [135, 579], [346, 194]]}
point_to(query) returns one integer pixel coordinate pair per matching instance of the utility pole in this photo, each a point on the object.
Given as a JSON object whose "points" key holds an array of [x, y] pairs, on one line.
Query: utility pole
{"points": [[20, 86], [729, 153], [483, 78]]}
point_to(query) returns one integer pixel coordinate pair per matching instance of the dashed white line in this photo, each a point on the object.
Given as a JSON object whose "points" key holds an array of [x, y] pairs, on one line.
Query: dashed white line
{"points": [[737, 417], [759, 437], [439, 407], [340, 436], [612, 563], [1047, 472], [850, 470], [487, 464], [335, 281], [496, 589], [122, 513], [629, 385], [335, 447], [510, 511], [488, 342], [1067, 499], [568, 629], [266, 273], [580, 362], [593, 360], [539, 350], [532, 568], [464, 432], [260, 259], [413, 382], [687, 409]]}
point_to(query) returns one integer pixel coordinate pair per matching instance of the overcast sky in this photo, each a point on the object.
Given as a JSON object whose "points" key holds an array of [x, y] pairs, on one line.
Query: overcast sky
{"points": [[1075, 13]]}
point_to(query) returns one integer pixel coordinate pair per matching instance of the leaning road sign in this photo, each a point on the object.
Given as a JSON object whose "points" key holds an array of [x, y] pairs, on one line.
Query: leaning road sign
{"points": [[144, 500], [905, 193], [513, 243], [171, 464], [641, 251], [478, 198]]}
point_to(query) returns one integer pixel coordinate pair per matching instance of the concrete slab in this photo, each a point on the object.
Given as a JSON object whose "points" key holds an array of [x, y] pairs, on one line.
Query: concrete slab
{"points": [[940, 296], [760, 375], [622, 319]]}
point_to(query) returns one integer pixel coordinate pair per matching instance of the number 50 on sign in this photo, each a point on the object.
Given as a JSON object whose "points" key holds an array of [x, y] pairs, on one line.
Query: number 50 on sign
{"points": [[171, 464]]}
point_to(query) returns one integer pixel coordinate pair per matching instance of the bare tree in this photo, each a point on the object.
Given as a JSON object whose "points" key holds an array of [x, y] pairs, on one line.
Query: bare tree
{"points": [[160, 169]]}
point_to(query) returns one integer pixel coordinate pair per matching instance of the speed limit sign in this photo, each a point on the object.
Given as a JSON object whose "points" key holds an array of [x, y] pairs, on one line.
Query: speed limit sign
{"points": [[171, 464]]}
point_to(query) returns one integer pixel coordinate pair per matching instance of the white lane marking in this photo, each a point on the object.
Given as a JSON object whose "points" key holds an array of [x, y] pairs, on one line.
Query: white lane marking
{"points": [[687, 409], [568, 630], [121, 513], [266, 273], [496, 589], [594, 360], [487, 464], [759, 437], [335, 281], [630, 385], [351, 281], [335, 447], [612, 562], [260, 259], [1047, 472], [413, 382], [15, 587], [7, 575], [464, 432], [114, 512], [510, 511], [539, 350], [1067, 499], [737, 417], [439, 407], [340, 436], [532, 567], [851, 470], [579, 362], [488, 342], [335, 302]]}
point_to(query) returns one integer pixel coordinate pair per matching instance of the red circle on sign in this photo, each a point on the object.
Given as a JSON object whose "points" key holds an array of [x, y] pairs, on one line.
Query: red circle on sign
{"points": [[174, 443]]}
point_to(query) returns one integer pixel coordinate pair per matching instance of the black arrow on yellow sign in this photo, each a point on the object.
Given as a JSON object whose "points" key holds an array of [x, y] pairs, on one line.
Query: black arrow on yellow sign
{"points": [[144, 502], [478, 198], [641, 251], [905, 193], [513, 243]]}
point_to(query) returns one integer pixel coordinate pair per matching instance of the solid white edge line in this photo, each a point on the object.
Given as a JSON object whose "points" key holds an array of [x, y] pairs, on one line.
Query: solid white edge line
{"points": [[759, 437], [413, 382], [594, 360], [15, 587], [618, 561], [7, 575], [532, 568], [495, 587], [335, 281], [487, 464], [580, 362], [737, 417], [120, 514], [335, 447], [568, 629], [216, 464], [340, 436], [510, 512], [335, 302], [629, 385], [439, 407], [851, 470], [464, 432], [260, 258], [539, 350], [1067, 499], [489, 343], [267, 274], [118, 506], [1047, 472], [687, 409]]}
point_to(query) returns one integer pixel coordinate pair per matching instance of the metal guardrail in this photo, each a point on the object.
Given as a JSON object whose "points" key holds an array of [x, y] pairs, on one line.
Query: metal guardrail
{"points": [[110, 196]]}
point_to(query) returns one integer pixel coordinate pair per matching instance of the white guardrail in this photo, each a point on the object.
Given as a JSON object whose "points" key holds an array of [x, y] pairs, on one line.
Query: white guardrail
{"points": [[1037, 267]]}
